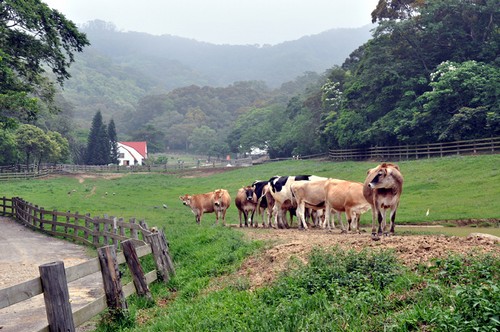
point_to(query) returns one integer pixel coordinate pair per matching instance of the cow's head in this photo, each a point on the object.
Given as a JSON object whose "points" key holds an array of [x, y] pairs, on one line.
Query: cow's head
{"points": [[249, 193], [218, 197], [383, 176], [186, 199]]}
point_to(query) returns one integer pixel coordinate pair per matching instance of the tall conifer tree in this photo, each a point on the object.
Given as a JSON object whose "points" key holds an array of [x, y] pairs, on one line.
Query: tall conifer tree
{"points": [[113, 141], [98, 147]]}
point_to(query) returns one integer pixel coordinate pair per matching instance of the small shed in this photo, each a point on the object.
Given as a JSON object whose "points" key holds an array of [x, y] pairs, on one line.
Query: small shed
{"points": [[132, 153]]}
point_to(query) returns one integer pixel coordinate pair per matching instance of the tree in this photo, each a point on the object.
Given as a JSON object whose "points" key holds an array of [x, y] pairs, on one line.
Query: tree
{"points": [[8, 147], [113, 142], [32, 141], [32, 37], [463, 102], [98, 147], [59, 148]]}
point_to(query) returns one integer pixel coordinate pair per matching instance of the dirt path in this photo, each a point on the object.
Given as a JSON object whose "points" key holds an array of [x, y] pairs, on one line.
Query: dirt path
{"points": [[21, 252], [411, 250]]}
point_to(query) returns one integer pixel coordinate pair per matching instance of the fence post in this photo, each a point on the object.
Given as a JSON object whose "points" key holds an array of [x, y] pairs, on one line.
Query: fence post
{"points": [[159, 246], [141, 285], [115, 297], [53, 228], [41, 218], [56, 297], [95, 236]]}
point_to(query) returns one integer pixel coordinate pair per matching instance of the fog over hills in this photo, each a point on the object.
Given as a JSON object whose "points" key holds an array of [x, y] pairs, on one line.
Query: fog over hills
{"points": [[121, 67]]}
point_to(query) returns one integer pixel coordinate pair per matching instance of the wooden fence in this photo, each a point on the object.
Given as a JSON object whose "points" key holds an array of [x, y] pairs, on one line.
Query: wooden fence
{"points": [[106, 233], [406, 152]]}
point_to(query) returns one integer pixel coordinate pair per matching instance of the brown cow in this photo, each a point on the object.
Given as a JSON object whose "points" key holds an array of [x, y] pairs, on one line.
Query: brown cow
{"points": [[222, 201], [246, 202], [382, 189], [345, 196], [216, 201]]}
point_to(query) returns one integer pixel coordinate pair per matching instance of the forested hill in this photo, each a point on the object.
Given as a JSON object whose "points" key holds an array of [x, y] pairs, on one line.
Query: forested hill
{"points": [[119, 68], [175, 61]]}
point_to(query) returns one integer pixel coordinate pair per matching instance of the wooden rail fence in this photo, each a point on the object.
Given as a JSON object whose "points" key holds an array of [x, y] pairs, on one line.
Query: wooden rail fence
{"points": [[405, 152], [54, 278]]}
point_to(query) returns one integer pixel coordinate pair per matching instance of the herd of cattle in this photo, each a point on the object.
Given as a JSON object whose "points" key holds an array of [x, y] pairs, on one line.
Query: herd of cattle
{"points": [[310, 197]]}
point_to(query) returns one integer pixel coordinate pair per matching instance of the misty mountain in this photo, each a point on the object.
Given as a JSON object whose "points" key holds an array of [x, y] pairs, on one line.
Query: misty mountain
{"points": [[121, 67]]}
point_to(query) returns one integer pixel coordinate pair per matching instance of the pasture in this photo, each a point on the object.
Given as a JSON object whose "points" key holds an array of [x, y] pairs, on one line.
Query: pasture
{"points": [[335, 290]]}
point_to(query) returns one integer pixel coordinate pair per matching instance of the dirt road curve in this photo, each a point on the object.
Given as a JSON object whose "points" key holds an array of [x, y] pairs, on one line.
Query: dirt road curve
{"points": [[21, 252]]}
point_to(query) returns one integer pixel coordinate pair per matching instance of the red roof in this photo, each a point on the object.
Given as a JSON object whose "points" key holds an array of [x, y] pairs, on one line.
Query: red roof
{"points": [[140, 147]]}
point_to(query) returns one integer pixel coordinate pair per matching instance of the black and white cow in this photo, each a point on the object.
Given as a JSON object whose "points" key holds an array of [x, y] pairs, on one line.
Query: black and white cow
{"points": [[280, 190]]}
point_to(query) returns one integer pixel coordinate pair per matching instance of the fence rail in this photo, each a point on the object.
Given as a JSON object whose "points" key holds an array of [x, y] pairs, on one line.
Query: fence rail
{"points": [[82, 228], [106, 233], [402, 152]]}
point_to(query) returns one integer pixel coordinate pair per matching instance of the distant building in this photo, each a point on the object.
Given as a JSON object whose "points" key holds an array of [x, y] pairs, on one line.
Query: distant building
{"points": [[132, 153]]}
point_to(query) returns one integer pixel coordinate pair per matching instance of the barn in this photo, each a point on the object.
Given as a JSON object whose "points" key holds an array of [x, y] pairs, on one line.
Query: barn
{"points": [[132, 153]]}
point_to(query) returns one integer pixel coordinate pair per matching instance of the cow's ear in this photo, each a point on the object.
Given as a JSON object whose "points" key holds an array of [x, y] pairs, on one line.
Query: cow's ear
{"points": [[396, 167]]}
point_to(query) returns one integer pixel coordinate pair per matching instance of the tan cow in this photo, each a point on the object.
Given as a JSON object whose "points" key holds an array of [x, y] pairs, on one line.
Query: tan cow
{"points": [[217, 201], [310, 195], [382, 189], [345, 196], [246, 203]]}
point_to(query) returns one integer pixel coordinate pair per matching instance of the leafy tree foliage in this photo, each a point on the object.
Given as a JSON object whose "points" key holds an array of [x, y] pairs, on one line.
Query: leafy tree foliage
{"points": [[32, 38], [98, 146], [36, 145], [8, 147], [397, 87]]}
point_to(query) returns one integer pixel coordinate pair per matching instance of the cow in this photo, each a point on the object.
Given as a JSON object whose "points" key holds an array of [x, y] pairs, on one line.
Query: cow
{"points": [[217, 201], [382, 188], [280, 190], [344, 196], [265, 200], [308, 195], [246, 203]]}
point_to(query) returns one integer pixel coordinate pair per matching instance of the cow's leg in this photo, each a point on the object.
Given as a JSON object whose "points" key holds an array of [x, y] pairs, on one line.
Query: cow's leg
{"points": [[270, 212], [374, 221], [381, 221], [223, 212], [245, 214], [216, 216], [342, 228], [239, 214], [300, 216], [251, 219], [393, 220]]}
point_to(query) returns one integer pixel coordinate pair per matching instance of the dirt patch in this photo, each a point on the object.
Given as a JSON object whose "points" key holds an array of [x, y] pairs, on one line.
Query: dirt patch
{"points": [[284, 244]]}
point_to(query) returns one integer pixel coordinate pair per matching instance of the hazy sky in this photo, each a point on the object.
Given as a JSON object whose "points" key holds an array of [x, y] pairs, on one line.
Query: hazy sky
{"points": [[223, 21]]}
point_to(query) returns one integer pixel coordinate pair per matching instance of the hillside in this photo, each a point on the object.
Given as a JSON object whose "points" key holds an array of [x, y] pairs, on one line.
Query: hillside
{"points": [[121, 67]]}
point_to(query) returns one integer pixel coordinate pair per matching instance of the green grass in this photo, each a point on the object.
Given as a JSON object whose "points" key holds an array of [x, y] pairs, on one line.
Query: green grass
{"points": [[450, 188]]}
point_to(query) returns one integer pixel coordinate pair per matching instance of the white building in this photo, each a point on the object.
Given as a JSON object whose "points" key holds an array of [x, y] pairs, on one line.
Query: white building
{"points": [[132, 153]]}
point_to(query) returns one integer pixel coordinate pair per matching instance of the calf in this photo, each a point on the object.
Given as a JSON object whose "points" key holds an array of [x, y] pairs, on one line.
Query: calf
{"points": [[216, 201], [246, 203], [344, 196], [382, 189]]}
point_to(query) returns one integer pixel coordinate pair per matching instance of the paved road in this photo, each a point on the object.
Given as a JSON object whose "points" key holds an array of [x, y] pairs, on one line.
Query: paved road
{"points": [[21, 252]]}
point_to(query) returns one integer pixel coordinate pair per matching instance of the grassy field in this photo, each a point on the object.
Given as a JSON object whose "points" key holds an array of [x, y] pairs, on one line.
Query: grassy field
{"points": [[456, 188], [337, 291]]}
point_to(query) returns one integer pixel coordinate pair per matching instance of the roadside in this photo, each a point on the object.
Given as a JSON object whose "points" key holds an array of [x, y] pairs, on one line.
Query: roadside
{"points": [[21, 252]]}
